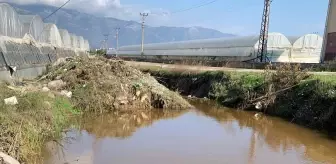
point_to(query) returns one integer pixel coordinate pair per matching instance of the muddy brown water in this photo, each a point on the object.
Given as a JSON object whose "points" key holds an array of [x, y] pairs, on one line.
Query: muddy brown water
{"points": [[204, 135]]}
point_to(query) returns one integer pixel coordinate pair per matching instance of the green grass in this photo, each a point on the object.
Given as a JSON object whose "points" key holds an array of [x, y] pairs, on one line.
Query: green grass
{"points": [[325, 78]]}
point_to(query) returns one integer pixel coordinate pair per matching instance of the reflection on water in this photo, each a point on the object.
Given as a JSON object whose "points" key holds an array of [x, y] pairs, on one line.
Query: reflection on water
{"points": [[205, 135]]}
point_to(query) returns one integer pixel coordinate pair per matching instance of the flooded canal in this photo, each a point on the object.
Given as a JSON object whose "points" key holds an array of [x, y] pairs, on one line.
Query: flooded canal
{"points": [[205, 135]]}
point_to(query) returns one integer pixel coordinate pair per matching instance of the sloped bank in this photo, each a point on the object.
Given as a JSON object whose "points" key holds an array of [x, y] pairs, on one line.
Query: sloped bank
{"points": [[39, 110], [289, 92]]}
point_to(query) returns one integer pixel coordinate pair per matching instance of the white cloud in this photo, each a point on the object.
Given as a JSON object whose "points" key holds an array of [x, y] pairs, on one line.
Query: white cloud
{"points": [[115, 9], [89, 6]]}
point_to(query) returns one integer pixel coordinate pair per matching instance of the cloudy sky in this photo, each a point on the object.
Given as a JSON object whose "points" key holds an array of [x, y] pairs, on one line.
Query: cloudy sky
{"points": [[291, 17]]}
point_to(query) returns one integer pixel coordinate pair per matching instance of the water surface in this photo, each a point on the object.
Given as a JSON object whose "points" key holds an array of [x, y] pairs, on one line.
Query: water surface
{"points": [[205, 135]]}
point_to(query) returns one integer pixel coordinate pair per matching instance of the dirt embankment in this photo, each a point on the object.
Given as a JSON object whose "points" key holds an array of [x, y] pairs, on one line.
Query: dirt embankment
{"points": [[289, 92], [34, 112], [107, 85]]}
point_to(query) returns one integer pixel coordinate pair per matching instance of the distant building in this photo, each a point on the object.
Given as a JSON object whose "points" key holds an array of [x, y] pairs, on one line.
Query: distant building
{"points": [[329, 45]]}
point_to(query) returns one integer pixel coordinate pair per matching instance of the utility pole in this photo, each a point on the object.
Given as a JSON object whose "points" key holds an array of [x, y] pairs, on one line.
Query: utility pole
{"points": [[105, 42], [117, 37], [117, 40], [262, 46], [144, 15]]}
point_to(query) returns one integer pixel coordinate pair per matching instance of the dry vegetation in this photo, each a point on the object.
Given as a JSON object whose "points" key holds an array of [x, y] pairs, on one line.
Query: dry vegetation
{"points": [[25, 127], [106, 85]]}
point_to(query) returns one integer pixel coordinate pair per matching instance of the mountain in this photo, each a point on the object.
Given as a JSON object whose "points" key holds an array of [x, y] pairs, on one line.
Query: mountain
{"points": [[93, 27]]}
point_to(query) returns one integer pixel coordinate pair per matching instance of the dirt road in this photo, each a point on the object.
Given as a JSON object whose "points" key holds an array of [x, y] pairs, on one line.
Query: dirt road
{"points": [[199, 68]]}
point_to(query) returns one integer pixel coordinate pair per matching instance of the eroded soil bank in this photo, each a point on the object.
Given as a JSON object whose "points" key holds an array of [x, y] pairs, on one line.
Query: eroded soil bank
{"points": [[36, 111], [289, 93]]}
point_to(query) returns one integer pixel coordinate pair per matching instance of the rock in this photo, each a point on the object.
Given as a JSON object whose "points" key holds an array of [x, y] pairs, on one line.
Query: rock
{"points": [[58, 77], [11, 101], [45, 89], [56, 84], [51, 95], [121, 98], [66, 93], [47, 104], [123, 102], [137, 93], [59, 62], [144, 116], [7, 159], [144, 97], [65, 70]]}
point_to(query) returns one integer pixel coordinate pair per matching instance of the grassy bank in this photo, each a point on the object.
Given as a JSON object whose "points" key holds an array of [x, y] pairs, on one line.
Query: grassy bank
{"points": [[38, 117], [289, 92]]}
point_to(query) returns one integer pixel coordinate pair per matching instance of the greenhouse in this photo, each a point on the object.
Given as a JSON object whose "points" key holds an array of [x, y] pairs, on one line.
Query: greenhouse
{"points": [[51, 35], [246, 46], [74, 41], [10, 23], [87, 45], [307, 49], [65, 38], [33, 25], [18, 53], [81, 43]]}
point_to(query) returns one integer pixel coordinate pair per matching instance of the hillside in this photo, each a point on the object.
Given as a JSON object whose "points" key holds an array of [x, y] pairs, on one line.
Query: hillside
{"points": [[93, 27]]}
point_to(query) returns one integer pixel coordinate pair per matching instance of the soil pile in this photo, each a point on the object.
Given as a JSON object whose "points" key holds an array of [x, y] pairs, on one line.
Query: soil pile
{"points": [[102, 85]]}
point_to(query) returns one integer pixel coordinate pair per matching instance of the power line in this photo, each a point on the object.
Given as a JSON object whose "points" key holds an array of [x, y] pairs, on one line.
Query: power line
{"points": [[51, 15], [194, 7], [56, 10]]}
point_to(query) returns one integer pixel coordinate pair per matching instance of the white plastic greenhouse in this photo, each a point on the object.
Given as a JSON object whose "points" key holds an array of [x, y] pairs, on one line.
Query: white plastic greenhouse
{"points": [[238, 47], [65, 38], [81, 43], [27, 43], [87, 45], [51, 35], [74, 41], [307, 49], [33, 25], [10, 24]]}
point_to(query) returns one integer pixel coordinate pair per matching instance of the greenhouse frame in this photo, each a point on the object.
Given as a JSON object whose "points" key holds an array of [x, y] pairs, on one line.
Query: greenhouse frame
{"points": [[33, 25], [10, 23], [65, 38]]}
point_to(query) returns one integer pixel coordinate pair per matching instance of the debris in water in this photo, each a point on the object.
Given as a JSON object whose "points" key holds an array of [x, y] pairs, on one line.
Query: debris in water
{"points": [[258, 105], [144, 116], [257, 115]]}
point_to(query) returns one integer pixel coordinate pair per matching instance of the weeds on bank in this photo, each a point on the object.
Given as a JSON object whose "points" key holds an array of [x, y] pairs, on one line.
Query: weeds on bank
{"points": [[245, 90], [25, 127]]}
